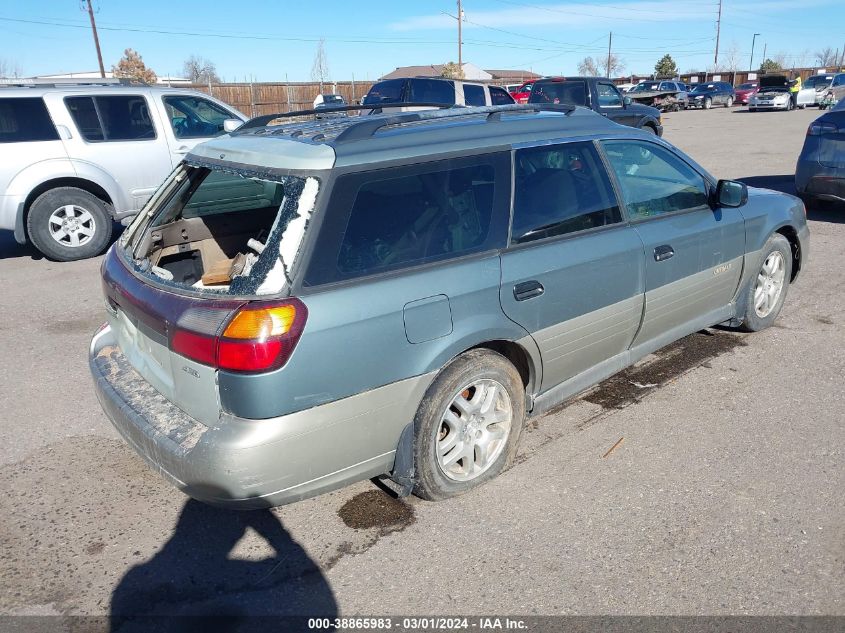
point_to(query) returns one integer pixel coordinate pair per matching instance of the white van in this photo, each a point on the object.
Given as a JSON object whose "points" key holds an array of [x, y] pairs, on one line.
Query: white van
{"points": [[73, 158]]}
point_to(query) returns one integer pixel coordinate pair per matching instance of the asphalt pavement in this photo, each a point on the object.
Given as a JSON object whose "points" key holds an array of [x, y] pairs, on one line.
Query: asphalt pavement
{"points": [[723, 497]]}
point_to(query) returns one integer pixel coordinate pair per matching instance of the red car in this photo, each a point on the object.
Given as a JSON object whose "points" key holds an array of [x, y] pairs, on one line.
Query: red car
{"points": [[743, 91], [521, 94]]}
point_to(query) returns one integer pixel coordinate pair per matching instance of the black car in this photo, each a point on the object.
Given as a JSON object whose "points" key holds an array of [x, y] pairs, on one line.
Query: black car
{"points": [[599, 94], [712, 93], [820, 173]]}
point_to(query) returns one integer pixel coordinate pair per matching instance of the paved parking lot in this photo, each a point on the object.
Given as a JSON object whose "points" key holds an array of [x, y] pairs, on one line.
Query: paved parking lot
{"points": [[725, 496]]}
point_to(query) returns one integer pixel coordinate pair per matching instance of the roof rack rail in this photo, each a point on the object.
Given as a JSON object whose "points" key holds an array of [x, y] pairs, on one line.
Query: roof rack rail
{"points": [[70, 81], [262, 121], [367, 127]]}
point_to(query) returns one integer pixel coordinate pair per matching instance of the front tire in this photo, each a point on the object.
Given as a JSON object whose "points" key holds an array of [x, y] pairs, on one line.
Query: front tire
{"points": [[67, 223], [708, 103], [767, 290], [468, 425]]}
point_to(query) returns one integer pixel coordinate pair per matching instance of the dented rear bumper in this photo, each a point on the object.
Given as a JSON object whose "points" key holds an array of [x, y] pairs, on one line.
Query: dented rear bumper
{"points": [[253, 463]]}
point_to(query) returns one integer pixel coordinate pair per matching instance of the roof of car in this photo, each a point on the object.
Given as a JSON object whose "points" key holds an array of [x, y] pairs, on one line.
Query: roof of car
{"points": [[38, 90], [346, 141]]}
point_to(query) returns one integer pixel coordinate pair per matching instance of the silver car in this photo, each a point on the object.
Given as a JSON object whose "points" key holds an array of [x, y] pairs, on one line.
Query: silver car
{"points": [[73, 158], [305, 305]]}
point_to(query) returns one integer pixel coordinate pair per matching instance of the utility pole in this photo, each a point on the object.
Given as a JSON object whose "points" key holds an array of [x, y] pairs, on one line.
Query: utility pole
{"points": [[718, 30], [751, 63], [609, 43], [842, 59], [96, 39], [460, 43], [765, 44]]}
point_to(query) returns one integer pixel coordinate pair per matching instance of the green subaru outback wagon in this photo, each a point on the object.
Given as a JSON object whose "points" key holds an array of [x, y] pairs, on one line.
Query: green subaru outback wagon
{"points": [[302, 305]]}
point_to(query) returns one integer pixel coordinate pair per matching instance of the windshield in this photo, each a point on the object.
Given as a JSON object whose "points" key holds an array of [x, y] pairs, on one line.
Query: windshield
{"points": [[818, 81], [223, 230], [565, 92], [333, 99], [703, 88], [746, 86], [646, 86]]}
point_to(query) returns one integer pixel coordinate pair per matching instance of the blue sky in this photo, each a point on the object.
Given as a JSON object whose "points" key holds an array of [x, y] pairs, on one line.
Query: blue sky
{"points": [[268, 40]]}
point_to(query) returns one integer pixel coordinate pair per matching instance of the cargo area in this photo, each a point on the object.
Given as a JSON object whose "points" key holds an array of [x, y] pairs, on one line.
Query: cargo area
{"points": [[224, 232]]}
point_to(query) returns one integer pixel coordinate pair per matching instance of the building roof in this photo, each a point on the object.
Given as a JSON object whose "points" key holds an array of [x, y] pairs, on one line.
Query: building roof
{"points": [[524, 75], [471, 72]]}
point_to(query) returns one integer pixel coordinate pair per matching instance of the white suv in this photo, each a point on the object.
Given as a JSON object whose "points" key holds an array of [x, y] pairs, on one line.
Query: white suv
{"points": [[73, 158]]}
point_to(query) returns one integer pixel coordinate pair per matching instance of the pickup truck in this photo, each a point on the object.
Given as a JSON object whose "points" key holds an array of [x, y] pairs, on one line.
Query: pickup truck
{"points": [[599, 94]]}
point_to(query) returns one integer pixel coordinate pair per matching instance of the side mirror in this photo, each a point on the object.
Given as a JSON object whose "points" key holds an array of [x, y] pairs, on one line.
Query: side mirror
{"points": [[627, 101], [730, 193], [230, 125]]}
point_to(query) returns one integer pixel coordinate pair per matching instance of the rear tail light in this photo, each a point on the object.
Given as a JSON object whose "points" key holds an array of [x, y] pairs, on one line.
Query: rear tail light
{"points": [[817, 128], [256, 337]]}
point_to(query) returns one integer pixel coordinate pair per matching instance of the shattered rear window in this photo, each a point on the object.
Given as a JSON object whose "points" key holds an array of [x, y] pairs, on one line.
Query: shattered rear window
{"points": [[227, 231]]}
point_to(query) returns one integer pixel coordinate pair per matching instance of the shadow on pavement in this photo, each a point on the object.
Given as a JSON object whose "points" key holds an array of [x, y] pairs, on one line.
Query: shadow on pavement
{"points": [[192, 583], [818, 210]]}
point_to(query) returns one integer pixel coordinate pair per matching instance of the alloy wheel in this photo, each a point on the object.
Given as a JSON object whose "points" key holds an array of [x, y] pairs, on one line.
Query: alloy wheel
{"points": [[769, 285], [71, 225], [473, 430]]}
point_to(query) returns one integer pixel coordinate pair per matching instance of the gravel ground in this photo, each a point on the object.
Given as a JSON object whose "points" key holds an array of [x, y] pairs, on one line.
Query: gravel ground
{"points": [[725, 496]]}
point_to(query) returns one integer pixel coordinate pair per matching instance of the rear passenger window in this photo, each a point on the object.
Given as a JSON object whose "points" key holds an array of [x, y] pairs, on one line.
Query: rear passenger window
{"points": [[432, 91], [561, 189], [412, 215], [112, 118], [25, 120], [499, 96], [653, 180], [474, 95]]}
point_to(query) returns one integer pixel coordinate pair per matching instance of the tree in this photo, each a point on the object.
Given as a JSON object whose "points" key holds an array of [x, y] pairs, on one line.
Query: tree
{"points": [[588, 67], [451, 70], [320, 68], [131, 66], [769, 65], [9, 69], [614, 68], [200, 70], [826, 57], [732, 58], [665, 68]]}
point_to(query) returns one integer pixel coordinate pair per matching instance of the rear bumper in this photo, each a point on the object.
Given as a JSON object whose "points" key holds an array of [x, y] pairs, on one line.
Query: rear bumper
{"points": [[814, 180], [254, 463]]}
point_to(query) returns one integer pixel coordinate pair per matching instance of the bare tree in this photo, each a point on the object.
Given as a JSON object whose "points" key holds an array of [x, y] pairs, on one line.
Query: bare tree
{"points": [[131, 66], [588, 67], [615, 67], [320, 69], [200, 70], [732, 58], [826, 57], [9, 69]]}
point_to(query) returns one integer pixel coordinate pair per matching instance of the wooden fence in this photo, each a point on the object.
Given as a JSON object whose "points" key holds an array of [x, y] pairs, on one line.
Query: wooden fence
{"points": [[255, 99]]}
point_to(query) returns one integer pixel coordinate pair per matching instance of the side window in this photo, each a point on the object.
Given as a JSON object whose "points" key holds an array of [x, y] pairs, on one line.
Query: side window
{"points": [[474, 95], [24, 120], [499, 96], [389, 91], [609, 96], [561, 189], [653, 180], [195, 117], [839, 81], [432, 91], [408, 216], [112, 118]]}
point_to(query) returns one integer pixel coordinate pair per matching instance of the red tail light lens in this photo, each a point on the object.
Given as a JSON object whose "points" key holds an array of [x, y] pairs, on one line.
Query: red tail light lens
{"points": [[258, 337]]}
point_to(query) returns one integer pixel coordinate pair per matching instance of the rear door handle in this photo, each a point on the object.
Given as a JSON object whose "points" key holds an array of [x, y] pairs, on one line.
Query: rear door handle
{"points": [[528, 290], [664, 252]]}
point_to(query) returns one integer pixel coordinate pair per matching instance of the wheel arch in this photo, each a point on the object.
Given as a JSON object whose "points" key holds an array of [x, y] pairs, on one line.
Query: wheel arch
{"points": [[789, 232]]}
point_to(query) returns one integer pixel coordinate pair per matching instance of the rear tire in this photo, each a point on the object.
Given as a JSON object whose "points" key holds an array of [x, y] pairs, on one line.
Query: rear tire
{"points": [[468, 425], [729, 102], [67, 223], [767, 289]]}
